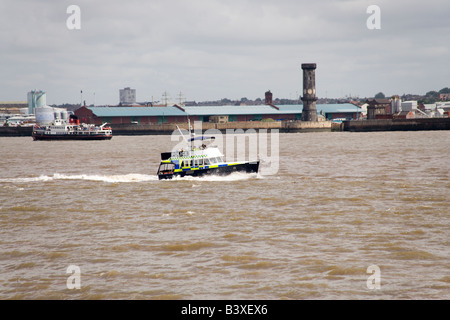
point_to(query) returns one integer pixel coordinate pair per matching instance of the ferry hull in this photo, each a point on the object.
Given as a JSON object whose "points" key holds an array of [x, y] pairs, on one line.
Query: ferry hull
{"points": [[70, 137], [248, 167]]}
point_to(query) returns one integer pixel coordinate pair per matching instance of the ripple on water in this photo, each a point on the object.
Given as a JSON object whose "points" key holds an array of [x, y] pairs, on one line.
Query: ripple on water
{"points": [[339, 203]]}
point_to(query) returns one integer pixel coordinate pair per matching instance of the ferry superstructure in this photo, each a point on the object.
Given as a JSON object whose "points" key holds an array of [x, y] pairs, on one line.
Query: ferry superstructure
{"points": [[61, 130]]}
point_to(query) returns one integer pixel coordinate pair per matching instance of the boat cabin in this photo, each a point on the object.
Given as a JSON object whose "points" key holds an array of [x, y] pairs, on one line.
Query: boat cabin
{"points": [[201, 160], [197, 158]]}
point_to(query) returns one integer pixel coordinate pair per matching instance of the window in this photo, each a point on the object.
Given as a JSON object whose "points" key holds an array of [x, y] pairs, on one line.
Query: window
{"points": [[206, 162], [166, 168], [213, 160]]}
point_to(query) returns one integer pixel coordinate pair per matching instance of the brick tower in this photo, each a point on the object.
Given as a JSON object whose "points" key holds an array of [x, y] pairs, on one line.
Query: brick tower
{"points": [[309, 98]]}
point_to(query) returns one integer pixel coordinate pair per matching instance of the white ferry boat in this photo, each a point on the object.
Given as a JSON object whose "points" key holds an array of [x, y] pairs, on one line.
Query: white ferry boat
{"points": [[61, 130], [202, 160]]}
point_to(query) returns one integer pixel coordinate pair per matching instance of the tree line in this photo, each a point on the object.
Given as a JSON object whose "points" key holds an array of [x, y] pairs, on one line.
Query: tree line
{"points": [[429, 97]]}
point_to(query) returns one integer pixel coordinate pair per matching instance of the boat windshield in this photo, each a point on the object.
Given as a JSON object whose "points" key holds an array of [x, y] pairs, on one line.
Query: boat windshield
{"points": [[166, 168]]}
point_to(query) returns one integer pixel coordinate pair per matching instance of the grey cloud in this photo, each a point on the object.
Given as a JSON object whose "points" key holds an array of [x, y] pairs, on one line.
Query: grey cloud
{"points": [[214, 49]]}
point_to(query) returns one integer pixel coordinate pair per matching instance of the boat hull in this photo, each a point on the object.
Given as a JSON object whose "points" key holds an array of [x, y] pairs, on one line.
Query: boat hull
{"points": [[70, 137], [221, 170]]}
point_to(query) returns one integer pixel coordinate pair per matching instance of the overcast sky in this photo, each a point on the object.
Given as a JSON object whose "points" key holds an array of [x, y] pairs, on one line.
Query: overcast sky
{"points": [[213, 49]]}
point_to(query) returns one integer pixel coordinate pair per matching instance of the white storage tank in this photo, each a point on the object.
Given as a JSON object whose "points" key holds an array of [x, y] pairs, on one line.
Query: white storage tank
{"points": [[396, 104], [36, 99], [44, 115], [60, 114], [41, 100], [64, 115]]}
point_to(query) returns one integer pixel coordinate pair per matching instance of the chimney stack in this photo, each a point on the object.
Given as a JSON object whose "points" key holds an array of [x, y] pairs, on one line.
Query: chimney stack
{"points": [[268, 97]]}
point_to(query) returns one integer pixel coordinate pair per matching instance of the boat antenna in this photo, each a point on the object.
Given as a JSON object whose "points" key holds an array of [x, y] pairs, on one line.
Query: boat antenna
{"points": [[190, 132]]}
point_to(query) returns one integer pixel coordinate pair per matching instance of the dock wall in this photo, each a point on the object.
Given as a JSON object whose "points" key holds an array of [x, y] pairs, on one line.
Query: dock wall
{"points": [[282, 126], [396, 125], [168, 128], [16, 131]]}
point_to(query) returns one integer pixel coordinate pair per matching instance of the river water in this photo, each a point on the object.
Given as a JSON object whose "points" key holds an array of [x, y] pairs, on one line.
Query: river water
{"points": [[345, 216]]}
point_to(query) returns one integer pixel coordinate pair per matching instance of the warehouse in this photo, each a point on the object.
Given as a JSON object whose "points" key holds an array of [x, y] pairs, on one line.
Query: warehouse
{"points": [[177, 114], [128, 115], [347, 111], [246, 113]]}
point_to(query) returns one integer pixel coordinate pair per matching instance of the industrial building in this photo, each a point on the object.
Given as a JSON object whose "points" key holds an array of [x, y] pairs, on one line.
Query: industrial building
{"points": [[379, 109], [35, 111], [395, 108], [178, 114]]}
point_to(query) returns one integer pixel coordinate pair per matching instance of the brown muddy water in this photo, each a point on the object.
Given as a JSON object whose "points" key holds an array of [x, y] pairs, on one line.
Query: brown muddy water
{"points": [[339, 203]]}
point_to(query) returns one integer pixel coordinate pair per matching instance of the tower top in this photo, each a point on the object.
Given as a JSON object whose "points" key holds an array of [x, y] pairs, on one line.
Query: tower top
{"points": [[308, 66]]}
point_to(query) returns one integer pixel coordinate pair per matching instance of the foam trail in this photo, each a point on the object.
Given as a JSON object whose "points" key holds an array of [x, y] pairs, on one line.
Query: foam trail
{"points": [[27, 179], [132, 177]]}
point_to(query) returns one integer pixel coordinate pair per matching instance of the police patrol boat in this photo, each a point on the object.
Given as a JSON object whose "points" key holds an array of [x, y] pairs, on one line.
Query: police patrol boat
{"points": [[200, 160]]}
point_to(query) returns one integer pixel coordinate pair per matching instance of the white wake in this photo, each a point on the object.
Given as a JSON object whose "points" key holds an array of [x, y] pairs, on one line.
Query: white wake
{"points": [[132, 177]]}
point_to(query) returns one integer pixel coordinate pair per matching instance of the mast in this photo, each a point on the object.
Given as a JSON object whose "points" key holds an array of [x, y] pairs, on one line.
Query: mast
{"points": [[180, 97], [190, 133], [182, 135], [166, 98]]}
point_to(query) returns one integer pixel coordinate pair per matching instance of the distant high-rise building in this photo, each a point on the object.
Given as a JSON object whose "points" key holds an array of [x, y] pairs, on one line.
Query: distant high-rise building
{"points": [[127, 96]]}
